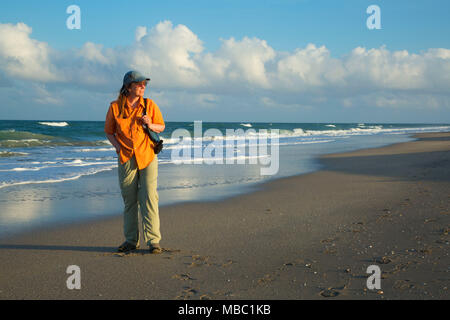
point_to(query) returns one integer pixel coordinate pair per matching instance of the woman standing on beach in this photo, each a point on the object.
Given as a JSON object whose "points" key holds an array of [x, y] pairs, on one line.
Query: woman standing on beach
{"points": [[137, 162]]}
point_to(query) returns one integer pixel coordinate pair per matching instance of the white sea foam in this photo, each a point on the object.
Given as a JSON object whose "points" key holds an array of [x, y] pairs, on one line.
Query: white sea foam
{"points": [[21, 169], [250, 144], [78, 164], [61, 164], [207, 159], [368, 130], [26, 140], [253, 136], [4, 154], [305, 142], [75, 177], [25, 169], [81, 163], [94, 149], [54, 124]]}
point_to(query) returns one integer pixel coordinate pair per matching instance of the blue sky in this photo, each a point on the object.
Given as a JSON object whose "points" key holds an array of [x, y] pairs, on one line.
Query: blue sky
{"points": [[340, 25], [264, 42]]}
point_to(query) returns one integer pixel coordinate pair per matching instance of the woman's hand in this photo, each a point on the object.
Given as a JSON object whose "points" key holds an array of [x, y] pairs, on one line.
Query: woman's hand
{"points": [[158, 128], [114, 142], [146, 120]]}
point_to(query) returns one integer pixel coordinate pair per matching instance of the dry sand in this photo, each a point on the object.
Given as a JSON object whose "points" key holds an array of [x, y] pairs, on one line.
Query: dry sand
{"points": [[305, 237]]}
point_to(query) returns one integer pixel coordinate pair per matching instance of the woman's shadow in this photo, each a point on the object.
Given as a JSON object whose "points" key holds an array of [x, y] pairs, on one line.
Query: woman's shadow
{"points": [[58, 248]]}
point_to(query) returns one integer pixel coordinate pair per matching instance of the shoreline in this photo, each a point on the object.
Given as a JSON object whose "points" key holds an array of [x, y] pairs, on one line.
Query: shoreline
{"points": [[64, 213], [280, 241]]}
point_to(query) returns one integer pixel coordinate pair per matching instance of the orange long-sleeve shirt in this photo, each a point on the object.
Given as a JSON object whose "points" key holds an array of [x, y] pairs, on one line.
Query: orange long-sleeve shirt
{"points": [[129, 132]]}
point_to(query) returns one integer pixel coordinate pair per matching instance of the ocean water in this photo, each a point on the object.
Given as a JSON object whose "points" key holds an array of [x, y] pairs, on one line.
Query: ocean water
{"points": [[65, 171]]}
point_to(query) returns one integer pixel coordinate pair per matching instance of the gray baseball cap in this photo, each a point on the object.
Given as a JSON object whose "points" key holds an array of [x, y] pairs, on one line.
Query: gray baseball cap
{"points": [[133, 76]]}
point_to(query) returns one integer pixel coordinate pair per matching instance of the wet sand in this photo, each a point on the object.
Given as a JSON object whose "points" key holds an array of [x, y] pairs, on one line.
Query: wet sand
{"points": [[304, 237]]}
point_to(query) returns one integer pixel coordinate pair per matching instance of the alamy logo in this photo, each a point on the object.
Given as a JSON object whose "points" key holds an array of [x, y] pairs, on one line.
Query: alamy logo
{"points": [[74, 20], [74, 280], [374, 21], [192, 150], [374, 281]]}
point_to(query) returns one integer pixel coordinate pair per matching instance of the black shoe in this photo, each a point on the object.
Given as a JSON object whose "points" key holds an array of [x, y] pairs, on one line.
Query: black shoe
{"points": [[127, 247], [155, 249]]}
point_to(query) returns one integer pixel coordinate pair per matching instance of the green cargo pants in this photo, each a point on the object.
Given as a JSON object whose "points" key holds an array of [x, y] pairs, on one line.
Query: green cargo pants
{"points": [[139, 193]]}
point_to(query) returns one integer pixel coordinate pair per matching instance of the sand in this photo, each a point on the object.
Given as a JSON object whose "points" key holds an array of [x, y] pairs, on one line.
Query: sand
{"points": [[310, 236]]}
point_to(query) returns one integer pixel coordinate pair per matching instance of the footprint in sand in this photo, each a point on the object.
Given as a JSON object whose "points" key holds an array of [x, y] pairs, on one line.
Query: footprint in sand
{"points": [[382, 260], [329, 240], [385, 215], [190, 291], [332, 291], [198, 261], [400, 267], [266, 279], [403, 285], [168, 250], [187, 293], [227, 264], [329, 293], [330, 251], [183, 277], [139, 252], [426, 251], [135, 253]]}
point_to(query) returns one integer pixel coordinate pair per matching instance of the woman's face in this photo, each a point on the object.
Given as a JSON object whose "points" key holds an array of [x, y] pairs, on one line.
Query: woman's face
{"points": [[138, 88]]}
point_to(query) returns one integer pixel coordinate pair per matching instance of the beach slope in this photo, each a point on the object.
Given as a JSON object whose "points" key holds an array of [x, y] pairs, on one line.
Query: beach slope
{"points": [[311, 236]]}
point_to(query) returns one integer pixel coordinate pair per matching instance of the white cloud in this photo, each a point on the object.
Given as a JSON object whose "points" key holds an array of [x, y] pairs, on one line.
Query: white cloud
{"points": [[400, 101], [245, 61], [42, 96], [177, 62], [380, 68], [206, 100], [269, 102], [309, 68], [94, 53], [166, 53], [141, 32], [23, 57]]}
